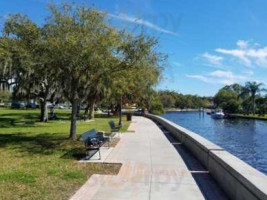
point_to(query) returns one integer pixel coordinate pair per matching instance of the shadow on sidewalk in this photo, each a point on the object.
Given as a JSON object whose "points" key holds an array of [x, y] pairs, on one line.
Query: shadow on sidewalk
{"points": [[208, 186]]}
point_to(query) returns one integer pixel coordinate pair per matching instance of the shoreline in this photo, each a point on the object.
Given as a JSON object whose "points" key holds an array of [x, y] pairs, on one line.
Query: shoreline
{"points": [[241, 116], [228, 116], [184, 110]]}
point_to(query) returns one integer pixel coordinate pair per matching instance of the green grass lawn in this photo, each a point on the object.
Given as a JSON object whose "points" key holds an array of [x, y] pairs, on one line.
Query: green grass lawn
{"points": [[38, 161]]}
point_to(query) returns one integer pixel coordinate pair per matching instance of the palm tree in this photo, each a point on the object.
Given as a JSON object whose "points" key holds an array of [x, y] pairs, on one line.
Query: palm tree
{"points": [[253, 88]]}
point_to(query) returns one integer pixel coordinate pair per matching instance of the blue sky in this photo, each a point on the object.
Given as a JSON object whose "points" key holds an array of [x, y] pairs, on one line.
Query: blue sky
{"points": [[210, 43]]}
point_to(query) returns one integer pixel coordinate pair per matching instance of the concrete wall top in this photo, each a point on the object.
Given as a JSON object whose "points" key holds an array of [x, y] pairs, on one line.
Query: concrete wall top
{"points": [[201, 141], [250, 177], [253, 180]]}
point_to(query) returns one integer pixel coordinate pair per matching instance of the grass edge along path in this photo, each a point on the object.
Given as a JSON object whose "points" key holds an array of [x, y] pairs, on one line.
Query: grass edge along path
{"points": [[38, 161]]}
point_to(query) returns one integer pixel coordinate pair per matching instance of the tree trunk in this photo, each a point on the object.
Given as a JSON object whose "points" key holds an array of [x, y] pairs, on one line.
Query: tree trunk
{"points": [[43, 102], [253, 104], [73, 119], [44, 114], [86, 111], [92, 110], [120, 112], [78, 110]]}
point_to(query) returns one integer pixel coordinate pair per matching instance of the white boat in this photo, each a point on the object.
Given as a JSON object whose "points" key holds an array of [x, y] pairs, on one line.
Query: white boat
{"points": [[218, 114]]}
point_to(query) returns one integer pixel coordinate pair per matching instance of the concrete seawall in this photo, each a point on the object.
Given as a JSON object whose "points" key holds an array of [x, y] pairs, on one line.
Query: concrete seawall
{"points": [[238, 179]]}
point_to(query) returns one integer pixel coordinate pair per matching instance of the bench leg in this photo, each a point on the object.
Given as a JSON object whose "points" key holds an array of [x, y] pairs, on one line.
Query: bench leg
{"points": [[87, 154]]}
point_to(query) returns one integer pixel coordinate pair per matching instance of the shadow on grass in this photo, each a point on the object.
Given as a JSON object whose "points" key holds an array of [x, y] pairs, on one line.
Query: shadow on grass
{"points": [[104, 116], [26, 141], [11, 122], [19, 116], [76, 153], [19, 120], [43, 144]]}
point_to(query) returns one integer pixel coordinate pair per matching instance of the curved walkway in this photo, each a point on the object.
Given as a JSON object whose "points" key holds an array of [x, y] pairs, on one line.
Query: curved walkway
{"points": [[153, 168]]}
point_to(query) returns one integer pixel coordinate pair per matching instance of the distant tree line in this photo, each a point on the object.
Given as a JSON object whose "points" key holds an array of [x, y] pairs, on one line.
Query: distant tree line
{"points": [[170, 99], [248, 99], [77, 56]]}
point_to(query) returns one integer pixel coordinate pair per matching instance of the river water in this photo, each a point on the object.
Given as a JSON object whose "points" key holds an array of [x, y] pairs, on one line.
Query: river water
{"points": [[246, 139]]}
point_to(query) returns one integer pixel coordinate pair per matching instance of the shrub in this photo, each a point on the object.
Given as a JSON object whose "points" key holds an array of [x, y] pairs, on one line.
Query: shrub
{"points": [[4, 95], [156, 107]]}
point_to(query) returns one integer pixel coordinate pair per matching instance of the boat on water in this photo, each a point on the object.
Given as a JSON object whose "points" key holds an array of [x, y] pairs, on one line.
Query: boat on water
{"points": [[210, 113], [218, 114]]}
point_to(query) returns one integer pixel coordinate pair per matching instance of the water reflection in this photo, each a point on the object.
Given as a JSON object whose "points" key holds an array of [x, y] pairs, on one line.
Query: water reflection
{"points": [[244, 138]]}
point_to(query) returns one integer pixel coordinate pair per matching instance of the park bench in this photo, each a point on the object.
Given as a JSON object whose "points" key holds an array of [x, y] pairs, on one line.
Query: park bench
{"points": [[93, 141], [114, 128]]}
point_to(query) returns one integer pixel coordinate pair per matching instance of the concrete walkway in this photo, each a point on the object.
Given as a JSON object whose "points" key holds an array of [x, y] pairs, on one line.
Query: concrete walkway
{"points": [[152, 169]]}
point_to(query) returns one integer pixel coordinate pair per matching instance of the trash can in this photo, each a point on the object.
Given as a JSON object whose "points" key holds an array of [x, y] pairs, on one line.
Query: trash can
{"points": [[129, 116]]}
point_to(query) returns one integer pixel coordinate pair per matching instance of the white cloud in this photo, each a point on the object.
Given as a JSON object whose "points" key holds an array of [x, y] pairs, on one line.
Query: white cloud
{"points": [[140, 21], [226, 77], [248, 72], [221, 77], [225, 74], [238, 53], [177, 64], [260, 55], [199, 77], [242, 44], [248, 54], [212, 59]]}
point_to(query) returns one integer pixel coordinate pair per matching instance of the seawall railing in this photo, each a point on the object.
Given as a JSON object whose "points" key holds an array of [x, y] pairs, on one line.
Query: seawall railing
{"points": [[239, 180]]}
